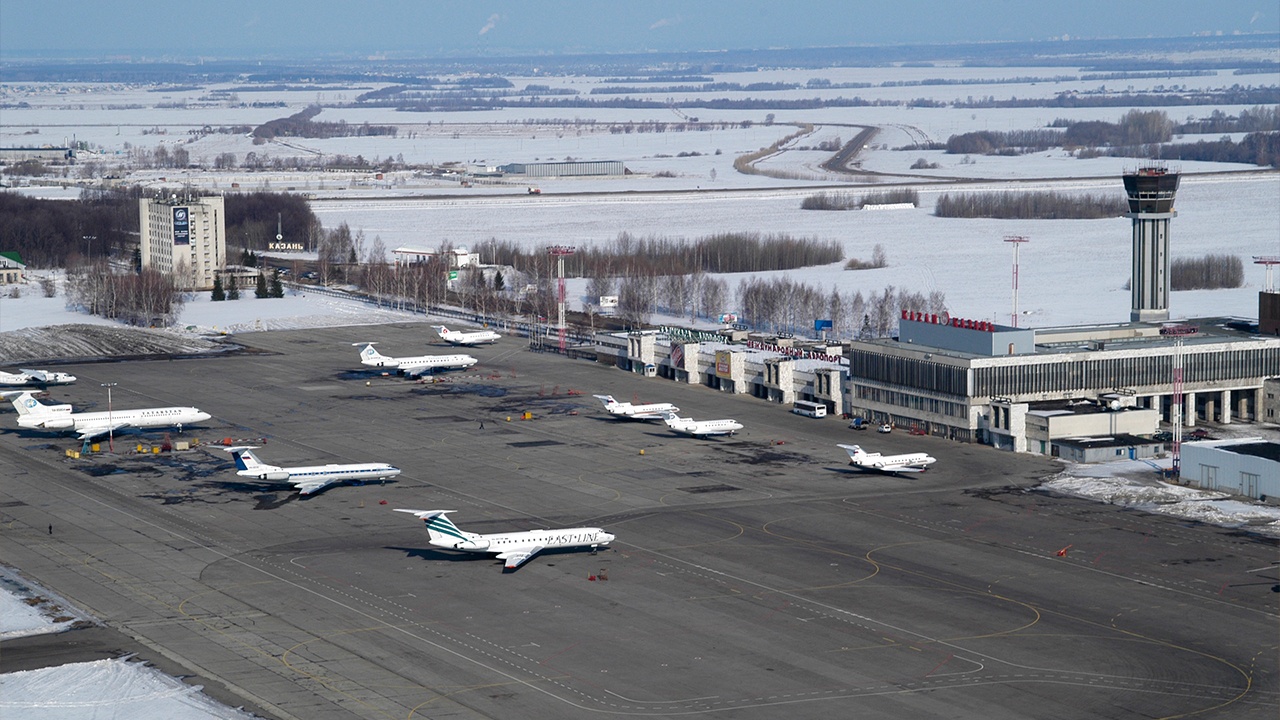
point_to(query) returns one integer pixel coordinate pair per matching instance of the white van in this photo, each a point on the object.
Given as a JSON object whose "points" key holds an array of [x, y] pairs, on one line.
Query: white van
{"points": [[810, 409]]}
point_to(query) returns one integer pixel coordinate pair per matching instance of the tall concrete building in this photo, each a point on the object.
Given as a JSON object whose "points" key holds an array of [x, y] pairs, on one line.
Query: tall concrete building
{"points": [[1151, 191], [184, 236]]}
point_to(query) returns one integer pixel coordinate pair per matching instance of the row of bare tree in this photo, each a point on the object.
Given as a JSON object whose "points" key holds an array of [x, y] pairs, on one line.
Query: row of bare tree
{"points": [[147, 298]]}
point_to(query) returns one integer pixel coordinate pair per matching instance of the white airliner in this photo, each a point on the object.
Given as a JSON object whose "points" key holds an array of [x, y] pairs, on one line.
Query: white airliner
{"points": [[35, 416], [649, 411], [311, 478], [36, 377], [456, 337], [911, 462], [700, 428], [412, 365], [512, 548]]}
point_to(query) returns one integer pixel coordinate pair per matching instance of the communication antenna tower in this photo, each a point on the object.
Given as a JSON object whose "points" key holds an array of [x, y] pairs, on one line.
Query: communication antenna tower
{"points": [[1177, 332], [1016, 240], [558, 252]]}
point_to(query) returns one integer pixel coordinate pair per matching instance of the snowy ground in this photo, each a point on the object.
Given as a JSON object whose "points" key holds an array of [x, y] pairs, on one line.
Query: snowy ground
{"points": [[106, 689], [1134, 484], [26, 609]]}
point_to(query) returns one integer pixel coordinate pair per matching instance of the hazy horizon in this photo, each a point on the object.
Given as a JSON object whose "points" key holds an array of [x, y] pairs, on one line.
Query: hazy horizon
{"points": [[244, 29]]}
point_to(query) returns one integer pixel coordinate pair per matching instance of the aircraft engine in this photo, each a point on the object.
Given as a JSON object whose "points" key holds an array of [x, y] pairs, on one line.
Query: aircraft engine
{"points": [[274, 475], [58, 424], [478, 544]]}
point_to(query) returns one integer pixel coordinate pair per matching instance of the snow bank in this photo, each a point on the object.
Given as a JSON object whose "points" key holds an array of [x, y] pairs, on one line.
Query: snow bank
{"points": [[1123, 484], [106, 688], [26, 609]]}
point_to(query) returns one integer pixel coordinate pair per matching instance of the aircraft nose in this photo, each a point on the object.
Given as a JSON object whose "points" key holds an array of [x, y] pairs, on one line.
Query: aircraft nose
{"points": [[607, 538], [202, 416]]}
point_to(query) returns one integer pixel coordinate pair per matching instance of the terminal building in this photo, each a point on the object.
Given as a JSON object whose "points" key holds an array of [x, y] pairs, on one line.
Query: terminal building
{"points": [[185, 237], [1082, 392]]}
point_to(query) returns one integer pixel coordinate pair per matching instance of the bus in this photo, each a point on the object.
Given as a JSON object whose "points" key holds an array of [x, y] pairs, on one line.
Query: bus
{"points": [[810, 409]]}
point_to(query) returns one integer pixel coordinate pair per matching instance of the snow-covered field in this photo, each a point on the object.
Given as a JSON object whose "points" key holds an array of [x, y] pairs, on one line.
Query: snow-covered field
{"points": [[26, 609], [1133, 484]]}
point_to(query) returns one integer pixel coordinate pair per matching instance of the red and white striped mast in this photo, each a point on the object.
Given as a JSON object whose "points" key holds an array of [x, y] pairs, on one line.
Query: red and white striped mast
{"points": [[1177, 332]]}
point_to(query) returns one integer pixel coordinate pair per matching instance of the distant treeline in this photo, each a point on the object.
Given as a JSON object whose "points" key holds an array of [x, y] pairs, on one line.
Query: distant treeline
{"points": [[630, 255], [1030, 206], [1139, 133], [1235, 95], [300, 124], [854, 201], [104, 223], [1210, 272]]}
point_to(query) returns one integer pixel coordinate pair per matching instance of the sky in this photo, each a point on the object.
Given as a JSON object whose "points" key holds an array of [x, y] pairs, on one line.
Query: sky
{"points": [[422, 28]]}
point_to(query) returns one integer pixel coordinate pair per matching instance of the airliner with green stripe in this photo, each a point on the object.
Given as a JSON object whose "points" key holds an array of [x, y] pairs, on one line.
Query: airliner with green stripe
{"points": [[512, 548]]}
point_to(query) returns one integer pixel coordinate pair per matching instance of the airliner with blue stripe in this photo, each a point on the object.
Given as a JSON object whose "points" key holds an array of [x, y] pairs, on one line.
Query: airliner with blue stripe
{"points": [[307, 479]]}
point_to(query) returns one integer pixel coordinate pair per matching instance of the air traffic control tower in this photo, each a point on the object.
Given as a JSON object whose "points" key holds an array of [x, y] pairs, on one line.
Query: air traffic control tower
{"points": [[1151, 190]]}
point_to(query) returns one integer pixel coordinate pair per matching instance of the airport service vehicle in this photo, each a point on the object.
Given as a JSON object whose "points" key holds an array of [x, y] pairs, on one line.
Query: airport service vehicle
{"points": [[88, 425], [514, 548], [809, 409], [412, 366], [885, 428], [35, 377], [307, 479], [645, 411], [700, 428], [910, 462], [456, 337]]}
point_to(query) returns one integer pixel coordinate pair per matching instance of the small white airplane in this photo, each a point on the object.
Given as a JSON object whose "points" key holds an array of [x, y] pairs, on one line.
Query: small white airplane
{"points": [[35, 377], [648, 411], [456, 337], [512, 548], [88, 425], [700, 428], [412, 366], [911, 462], [307, 479]]}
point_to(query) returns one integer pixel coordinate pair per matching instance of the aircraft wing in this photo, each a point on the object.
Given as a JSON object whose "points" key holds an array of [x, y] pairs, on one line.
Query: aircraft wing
{"points": [[515, 557], [90, 432], [307, 487]]}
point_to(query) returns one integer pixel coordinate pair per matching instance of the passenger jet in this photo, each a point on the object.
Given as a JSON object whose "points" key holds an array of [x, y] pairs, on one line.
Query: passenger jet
{"points": [[455, 337], [36, 416], [512, 548], [911, 462], [649, 411], [412, 366], [700, 428], [311, 478], [35, 377]]}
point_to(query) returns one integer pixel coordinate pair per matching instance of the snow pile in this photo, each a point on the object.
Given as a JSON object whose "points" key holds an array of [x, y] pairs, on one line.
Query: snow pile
{"points": [[80, 341], [106, 688], [29, 610], [1123, 484]]}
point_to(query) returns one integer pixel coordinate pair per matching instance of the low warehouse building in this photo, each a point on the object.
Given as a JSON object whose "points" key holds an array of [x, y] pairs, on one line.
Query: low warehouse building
{"points": [[1240, 466]]}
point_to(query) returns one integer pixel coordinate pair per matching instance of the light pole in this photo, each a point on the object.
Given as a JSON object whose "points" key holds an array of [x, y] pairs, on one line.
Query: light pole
{"points": [[111, 425]]}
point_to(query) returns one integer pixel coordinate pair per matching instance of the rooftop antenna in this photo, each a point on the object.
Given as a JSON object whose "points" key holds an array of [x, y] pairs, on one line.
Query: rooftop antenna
{"points": [[1268, 261], [1016, 240]]}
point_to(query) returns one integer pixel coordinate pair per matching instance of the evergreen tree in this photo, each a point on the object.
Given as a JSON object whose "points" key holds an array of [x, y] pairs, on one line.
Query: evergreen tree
{"points": [[218, 295], [261, 290], [498, 283], [277, 289], [233, 288]]}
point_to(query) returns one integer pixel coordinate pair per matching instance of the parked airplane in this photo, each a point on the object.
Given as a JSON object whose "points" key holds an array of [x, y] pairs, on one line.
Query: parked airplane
{"points": [[36, 377], [36, 416], [412, 365], [457, 337], [649, 411], [911, 462], [700, 428], [512, 548], [311, 478]]}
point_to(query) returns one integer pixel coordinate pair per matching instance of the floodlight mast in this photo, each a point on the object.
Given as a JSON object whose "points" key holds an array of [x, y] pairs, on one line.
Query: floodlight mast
{"points": [[1016, 240], [1177, 332], [558, 252]]}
